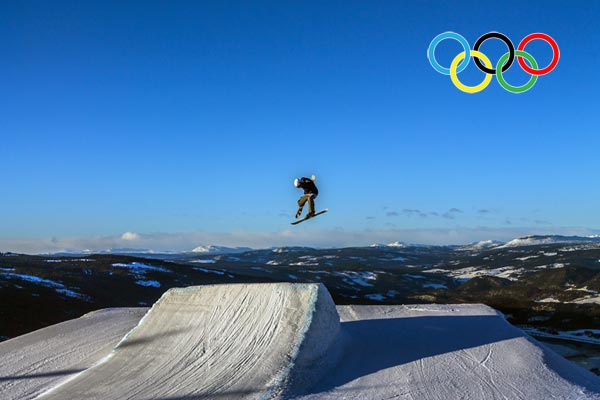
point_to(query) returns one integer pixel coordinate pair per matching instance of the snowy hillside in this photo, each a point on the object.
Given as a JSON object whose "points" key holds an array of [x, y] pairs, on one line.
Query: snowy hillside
{"points": [[397, 244], [551, 239], [219, 249], [484, 244]]}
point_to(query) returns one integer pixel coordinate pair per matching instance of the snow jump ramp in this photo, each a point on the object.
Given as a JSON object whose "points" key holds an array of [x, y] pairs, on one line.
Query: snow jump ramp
{"points": [[281, 341], [252, 341]]}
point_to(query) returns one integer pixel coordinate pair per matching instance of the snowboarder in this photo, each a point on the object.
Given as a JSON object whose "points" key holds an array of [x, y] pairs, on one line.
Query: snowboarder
{"points": [[310, 194]]}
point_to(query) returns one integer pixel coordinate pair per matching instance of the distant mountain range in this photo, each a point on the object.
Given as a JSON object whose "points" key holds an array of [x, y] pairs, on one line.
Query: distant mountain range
{"points": [[149, 252], [532, 240]]}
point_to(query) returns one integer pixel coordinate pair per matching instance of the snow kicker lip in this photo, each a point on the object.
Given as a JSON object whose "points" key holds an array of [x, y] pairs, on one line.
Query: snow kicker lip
{"points": [[238, 340]]}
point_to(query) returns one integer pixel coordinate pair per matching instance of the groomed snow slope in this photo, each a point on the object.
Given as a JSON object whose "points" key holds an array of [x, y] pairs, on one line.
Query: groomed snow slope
{"points": [[251, 341], [282, 341], [31, 364], [446, 352]]}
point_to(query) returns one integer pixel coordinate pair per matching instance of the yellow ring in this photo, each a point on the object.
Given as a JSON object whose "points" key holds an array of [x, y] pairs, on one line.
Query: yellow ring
{"points": [[459, 84]]}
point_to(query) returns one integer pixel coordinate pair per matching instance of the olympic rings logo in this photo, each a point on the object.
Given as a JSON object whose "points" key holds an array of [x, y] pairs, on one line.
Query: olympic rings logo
{"points": [[461, 61]]}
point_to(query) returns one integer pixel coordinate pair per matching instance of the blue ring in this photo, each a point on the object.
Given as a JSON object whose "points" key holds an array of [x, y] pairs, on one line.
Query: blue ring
{"points": [[448, 35]]}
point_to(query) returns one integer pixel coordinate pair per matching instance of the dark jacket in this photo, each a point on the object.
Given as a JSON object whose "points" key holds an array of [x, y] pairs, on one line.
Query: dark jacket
{"points": [[309, 186]]}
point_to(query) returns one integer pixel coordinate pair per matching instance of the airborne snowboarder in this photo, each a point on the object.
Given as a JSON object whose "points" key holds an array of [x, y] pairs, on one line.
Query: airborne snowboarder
{"points": [[310, 194]]}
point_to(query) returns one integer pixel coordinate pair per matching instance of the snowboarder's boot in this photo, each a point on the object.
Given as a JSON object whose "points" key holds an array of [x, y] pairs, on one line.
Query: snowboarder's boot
{"points": [[299, 213]]}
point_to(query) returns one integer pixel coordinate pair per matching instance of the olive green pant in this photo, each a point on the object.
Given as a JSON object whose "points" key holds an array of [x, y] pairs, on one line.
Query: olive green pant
{"points": [[311, 203]]}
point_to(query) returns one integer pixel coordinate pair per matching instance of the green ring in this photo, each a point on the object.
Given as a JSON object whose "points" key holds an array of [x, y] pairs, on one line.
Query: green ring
{"points": [[516, 89]]}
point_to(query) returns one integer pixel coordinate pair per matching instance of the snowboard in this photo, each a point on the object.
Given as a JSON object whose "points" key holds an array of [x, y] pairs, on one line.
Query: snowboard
{"points": [[305, 218]]}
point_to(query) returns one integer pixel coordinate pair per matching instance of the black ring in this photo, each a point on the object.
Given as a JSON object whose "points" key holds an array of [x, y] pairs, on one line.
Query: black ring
{"points": [[511, 51]]}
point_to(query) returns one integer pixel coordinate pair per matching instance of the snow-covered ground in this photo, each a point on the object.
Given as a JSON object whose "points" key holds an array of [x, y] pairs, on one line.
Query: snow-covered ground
{"points": [[212, 343], [37, 361], [446, 352]]}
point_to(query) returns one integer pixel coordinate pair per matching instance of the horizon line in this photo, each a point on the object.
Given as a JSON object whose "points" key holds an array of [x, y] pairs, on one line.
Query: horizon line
{"points": [[332, 238]]}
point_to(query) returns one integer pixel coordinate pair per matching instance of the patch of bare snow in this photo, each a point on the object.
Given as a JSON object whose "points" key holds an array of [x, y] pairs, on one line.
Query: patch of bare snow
{"points": [[436, 271], [73, 294], [140, 268], [304, 263], [586, 300], [357, 278], [148, 283], [209, 271], [414, 276], [434, 286], [571, 287], [526, 258], [548, 300]]}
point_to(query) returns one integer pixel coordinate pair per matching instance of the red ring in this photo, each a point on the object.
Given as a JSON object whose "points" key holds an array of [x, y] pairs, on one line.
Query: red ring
{"points": [[555, 53]]}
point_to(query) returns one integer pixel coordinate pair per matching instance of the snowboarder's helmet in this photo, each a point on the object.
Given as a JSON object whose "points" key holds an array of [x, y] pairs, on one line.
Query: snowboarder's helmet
{"points": [[297, 182]]}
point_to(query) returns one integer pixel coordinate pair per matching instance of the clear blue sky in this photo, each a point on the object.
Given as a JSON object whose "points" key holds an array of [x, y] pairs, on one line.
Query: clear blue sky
{"points": [[196, 116]]}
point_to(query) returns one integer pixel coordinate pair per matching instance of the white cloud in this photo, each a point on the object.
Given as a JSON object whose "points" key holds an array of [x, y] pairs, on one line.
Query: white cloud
{"points": [[130, 236], [186, 241]]}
